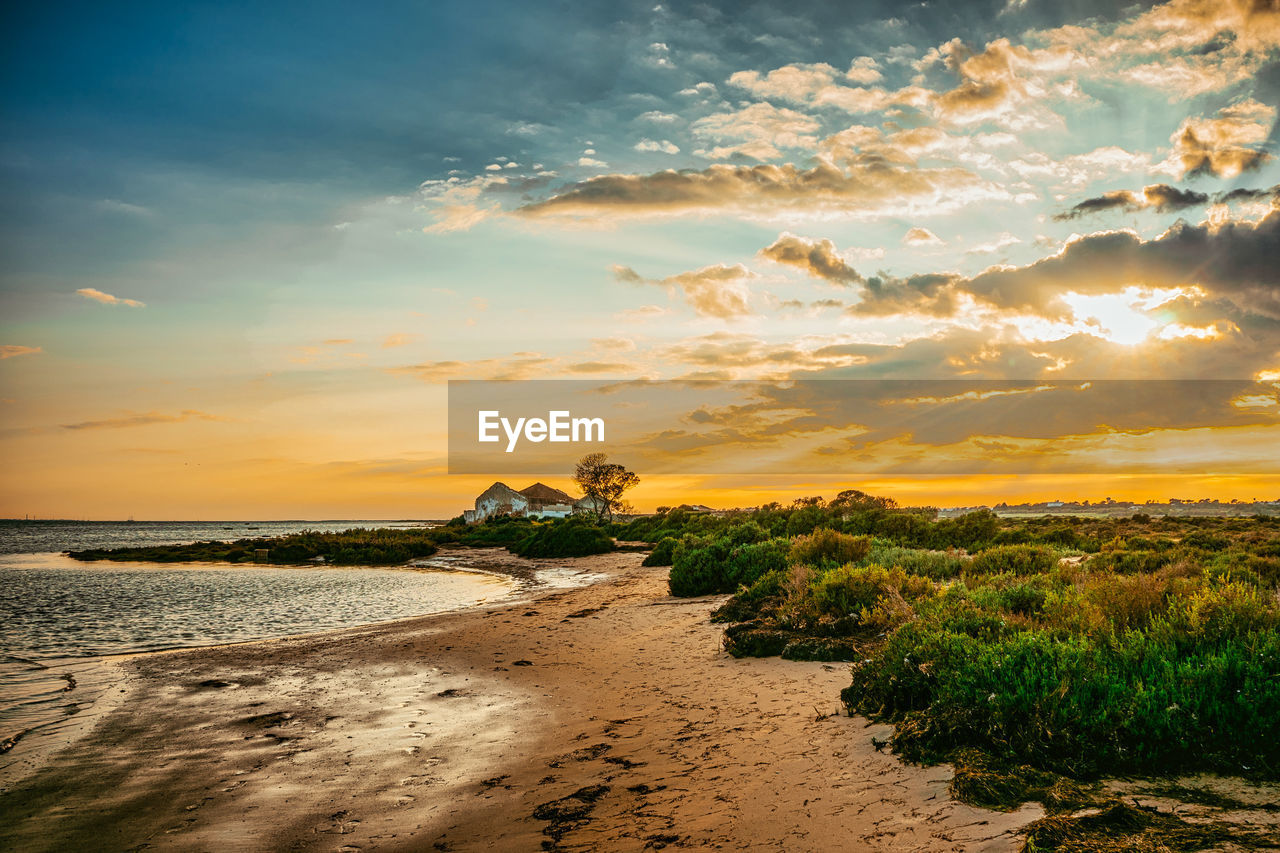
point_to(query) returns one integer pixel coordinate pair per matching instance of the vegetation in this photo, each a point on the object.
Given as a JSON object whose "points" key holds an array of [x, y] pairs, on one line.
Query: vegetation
{"points": [[381, 547], [568, 537], [1037, 655], [572, 537], [604, 482]]}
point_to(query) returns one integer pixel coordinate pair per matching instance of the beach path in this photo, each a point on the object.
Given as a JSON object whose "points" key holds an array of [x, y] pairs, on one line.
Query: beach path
{"points": [[604, 717]]}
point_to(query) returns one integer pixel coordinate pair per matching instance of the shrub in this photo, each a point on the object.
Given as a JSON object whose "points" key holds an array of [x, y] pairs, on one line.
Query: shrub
{"points": [[938, 565], [662, 552], [751, 640], [748, 563], [697, 568], [755, 601], [1015, 559], [1194, 690], [876, 596], [826, 547], [821, 648], [568, 538]]}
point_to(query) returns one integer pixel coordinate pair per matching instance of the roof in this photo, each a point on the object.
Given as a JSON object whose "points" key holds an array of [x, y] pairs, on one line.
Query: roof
{"points": [[545, 494], [499, 489]]}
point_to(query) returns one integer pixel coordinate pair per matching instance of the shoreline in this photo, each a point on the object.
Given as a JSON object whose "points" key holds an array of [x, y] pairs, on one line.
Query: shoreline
{"points": [[594, 717], [26, 755]]}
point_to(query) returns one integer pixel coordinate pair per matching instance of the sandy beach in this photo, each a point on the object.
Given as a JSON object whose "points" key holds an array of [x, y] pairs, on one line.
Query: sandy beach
{"points": [[604, 717]]}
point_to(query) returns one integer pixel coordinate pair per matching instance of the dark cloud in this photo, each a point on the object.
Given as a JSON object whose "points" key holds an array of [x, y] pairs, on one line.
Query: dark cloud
{"points": [[1235, 260], [818, 258], [1159, 197], [1244, 194]]}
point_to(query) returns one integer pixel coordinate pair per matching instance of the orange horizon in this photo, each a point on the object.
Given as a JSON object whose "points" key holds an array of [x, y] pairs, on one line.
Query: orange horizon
{"points": [[438, 497]]}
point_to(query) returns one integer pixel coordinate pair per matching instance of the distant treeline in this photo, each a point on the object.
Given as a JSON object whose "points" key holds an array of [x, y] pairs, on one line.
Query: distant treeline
{"points": [[573, 537]]}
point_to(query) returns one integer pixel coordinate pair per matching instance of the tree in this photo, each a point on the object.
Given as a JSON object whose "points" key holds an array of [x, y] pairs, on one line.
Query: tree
{"points": [[604, 482]]}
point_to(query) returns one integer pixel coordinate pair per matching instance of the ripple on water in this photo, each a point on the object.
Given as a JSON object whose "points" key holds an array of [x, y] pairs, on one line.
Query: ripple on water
{"points": [[56, 612]]}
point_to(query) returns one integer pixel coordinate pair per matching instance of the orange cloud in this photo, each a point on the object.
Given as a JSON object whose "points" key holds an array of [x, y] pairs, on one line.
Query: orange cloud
{"points": [[1223, 146], [107, 299], [862, 189], [145, 419], [15, 350], [718, 291]]}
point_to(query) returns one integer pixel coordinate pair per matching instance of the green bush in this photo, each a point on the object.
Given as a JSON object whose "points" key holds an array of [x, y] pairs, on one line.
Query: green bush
{"points": [[826, 547], [938, 565], [1015, 559], [701, 567], [572, 537], [356, 547], [662, 553], [1195, 688], [697, 568], [748, 563], [876, 596]]}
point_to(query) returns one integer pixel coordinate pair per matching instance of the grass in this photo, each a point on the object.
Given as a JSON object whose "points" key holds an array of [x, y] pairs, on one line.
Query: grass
{"points": [[1153, 651]]}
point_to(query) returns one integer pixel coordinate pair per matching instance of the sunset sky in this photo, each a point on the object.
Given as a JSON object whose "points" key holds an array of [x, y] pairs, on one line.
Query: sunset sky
{"points": [[245, 247]]}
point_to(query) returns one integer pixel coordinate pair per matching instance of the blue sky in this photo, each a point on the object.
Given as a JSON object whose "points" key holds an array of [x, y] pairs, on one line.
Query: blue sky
{"points": [[296, 222]]}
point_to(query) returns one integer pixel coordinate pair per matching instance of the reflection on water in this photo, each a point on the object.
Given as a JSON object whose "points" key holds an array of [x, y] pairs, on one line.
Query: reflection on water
{"points": [[56, 612]]}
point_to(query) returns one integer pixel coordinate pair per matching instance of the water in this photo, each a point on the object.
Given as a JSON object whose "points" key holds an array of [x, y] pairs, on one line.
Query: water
{"points": [[58, 616]]}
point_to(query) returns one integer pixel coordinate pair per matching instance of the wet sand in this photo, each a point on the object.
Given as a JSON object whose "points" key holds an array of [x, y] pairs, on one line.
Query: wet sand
{"points": [[605, 717]]}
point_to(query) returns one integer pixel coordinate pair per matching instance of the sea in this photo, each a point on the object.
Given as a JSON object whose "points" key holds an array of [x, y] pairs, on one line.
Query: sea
{"points": [[60, 619]]}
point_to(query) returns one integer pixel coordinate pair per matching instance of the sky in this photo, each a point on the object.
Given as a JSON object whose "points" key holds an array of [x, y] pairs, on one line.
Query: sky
{"points": [[243, 248]]}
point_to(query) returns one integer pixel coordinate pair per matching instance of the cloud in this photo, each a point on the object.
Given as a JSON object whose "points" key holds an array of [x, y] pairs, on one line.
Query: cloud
{"points": [[398, 339], [818, 258], [1245, 194], [1078, 170], [757, 131], [614, 344], [666, 146], [15, 350], [1232, 260], [525, 365], [144, 419], [1223, 146], [1160, 197], [865, 189], [822, 85], [1003, 241], [921, 237], [107, 299], [592, 367], [1229, 260], [643, 314], [718, 291], [1190, 24], [798, 82], [1002, 82], [1186, 47], [704, 89], [864, 69]]}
